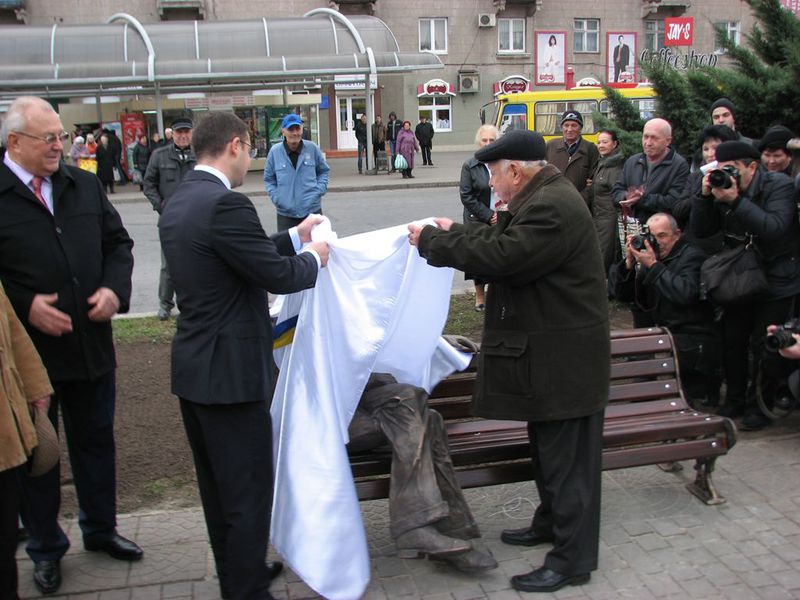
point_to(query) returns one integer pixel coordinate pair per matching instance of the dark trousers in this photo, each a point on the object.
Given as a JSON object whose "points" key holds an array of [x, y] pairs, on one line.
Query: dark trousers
{"points": [[426, 154], [232, 449], [567, 464], [362, 154], [9, 511], [87, 408], [744, 328], [166, 291], [285, 223]]}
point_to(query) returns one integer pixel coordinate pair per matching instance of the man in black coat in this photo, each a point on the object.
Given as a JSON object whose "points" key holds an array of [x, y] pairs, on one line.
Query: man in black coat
{"points": [[393, 127], [424, 133], [66, 263], [664, 281], [546, 316], [223, 265]]}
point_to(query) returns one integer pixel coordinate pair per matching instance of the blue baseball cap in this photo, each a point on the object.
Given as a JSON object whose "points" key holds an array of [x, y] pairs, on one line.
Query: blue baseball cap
{"points": [[291, 120]]}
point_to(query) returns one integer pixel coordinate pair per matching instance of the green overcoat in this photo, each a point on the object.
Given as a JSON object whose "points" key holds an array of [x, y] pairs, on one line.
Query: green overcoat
{"points": [[545, 353]]}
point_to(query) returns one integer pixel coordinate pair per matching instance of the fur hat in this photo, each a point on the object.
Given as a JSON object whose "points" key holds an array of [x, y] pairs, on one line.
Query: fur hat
{"points": [[736, 151], [775, 138]]}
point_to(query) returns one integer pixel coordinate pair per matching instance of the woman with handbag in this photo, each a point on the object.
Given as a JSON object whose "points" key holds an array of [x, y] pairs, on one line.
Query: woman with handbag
{"points": [[476, 196], [750, 206], [406, 147]]}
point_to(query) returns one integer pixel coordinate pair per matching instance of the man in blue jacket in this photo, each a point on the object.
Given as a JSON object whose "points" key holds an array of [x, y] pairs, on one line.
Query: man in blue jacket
{"points": [[296, 175]]}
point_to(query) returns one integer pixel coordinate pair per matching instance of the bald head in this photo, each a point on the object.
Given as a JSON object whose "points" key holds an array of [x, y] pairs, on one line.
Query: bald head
{"points": [[656, 138]]}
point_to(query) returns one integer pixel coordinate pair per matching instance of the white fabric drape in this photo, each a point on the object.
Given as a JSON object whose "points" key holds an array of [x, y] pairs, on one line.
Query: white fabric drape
{"points": [[377, 307]]}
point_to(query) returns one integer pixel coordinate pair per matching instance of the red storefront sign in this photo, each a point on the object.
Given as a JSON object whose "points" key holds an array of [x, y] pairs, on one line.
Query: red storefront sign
{"points": [[512, 85], [434, 87], [679, 31]]}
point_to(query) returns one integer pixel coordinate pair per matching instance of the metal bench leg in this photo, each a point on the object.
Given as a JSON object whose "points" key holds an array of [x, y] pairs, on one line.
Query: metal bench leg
{"points": [[702, 486]]}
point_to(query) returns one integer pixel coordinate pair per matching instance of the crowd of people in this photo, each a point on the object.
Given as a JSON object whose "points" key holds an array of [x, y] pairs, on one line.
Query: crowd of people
{"points": [[542, 226], [403, 141]]}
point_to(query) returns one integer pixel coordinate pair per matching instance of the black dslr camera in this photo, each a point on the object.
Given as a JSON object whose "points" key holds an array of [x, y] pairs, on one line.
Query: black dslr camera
{"points": [[782, 336], [724, 177], [637, 241]]}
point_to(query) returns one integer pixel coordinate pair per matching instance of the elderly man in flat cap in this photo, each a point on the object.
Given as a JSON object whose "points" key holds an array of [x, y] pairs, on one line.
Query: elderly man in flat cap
{"points": [[574, 156], [546, 317], [752, 205], [168, 165]]}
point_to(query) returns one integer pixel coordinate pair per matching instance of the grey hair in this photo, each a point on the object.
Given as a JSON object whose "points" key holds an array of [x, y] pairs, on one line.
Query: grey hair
{"points": [[16, 118], [525, 164], [488, 127], [673, 224]]}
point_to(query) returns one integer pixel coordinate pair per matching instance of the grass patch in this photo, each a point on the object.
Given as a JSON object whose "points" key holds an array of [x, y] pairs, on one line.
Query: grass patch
{"points": [[143, 329], [462, 320]]}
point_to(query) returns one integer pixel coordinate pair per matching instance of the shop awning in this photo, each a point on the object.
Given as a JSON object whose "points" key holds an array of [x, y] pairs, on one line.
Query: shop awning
{"points": [[125, 57]]}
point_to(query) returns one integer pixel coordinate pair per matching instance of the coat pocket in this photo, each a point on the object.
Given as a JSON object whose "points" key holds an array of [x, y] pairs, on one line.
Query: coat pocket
{"points": [[507, 363]]}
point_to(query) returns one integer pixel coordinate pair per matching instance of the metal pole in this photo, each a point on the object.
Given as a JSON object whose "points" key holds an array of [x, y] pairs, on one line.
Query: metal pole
{"points": [[159, 113], [370, 121]]}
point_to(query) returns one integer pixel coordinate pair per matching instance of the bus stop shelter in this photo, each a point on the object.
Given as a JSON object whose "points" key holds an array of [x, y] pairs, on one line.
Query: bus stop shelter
{"points": [[125, 57]]}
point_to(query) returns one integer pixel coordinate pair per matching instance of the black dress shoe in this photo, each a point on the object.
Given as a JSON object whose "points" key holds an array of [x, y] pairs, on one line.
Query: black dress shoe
{"points": [[274, 568], [524, 537], [545, 580], [116, 547], [47, 576]]}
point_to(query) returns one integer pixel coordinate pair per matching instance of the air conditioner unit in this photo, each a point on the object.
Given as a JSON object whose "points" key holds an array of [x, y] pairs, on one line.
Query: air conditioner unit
{"points": [[469, 83], [487, 20]]}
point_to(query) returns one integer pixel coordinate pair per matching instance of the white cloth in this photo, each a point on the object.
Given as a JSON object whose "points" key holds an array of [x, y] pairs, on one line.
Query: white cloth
{"points": [[377, 307]]}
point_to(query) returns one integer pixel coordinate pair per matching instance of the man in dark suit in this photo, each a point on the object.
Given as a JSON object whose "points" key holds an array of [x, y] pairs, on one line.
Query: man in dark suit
{"points": [[66, 263], [622, 57], [223, 265]]}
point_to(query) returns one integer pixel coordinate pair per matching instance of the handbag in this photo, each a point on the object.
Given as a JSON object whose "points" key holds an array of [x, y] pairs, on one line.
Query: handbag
{"points": [[400, 163], [733, 276]]}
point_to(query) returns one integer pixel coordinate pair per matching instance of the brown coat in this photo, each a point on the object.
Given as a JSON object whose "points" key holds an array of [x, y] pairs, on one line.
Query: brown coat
{"points": [[24, 380], [578, 167]]}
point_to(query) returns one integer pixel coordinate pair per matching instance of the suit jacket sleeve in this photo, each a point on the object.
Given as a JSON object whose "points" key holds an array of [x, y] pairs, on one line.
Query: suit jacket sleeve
{"points": [[240, 240]]}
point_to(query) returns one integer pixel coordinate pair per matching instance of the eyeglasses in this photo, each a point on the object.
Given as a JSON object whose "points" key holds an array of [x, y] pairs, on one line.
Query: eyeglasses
{"points": [[251, 151], [49, 139]]}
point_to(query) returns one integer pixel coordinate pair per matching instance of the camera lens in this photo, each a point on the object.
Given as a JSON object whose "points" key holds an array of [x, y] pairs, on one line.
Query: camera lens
{"points": [[719, 179], [779, 340]]}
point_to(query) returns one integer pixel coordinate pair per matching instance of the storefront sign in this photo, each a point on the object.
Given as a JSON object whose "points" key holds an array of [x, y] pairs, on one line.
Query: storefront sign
{"points": [[434, 87], [220, 102], [514, 84], [679, 31], [667, 57]]}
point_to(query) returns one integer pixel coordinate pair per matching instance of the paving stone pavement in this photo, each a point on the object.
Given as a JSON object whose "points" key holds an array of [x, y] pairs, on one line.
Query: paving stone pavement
{"points": [[657, 542]]}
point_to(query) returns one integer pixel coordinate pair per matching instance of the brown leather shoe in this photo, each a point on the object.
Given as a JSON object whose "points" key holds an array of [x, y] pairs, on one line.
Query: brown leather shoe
{"points": [[426, 541]]}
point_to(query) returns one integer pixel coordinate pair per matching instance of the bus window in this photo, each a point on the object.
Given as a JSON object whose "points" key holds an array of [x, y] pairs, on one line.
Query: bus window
{"points": [[515, 116], [548, 115], [646, 106]]}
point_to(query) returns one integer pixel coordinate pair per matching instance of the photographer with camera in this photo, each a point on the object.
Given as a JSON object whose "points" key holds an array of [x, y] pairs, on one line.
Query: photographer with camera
{"points": [[745, 202], [661, 275]]}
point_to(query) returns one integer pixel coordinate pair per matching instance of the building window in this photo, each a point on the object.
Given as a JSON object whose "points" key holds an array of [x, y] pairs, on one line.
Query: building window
{"points": [[731, 31], [511, 35], [653, 35], [438, 111], [433, 35], [586, 35]]}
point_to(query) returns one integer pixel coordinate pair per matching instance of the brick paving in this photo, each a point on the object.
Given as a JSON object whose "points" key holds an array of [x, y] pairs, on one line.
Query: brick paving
{"points": [[657, 542]]}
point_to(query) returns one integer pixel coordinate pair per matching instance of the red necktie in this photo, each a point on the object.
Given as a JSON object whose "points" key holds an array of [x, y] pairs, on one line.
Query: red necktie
{"points": [[36, 182]]}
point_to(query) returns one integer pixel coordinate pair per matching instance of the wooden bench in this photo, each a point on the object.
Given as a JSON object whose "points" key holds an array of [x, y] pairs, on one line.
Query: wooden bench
{"points": [[647, 422]]}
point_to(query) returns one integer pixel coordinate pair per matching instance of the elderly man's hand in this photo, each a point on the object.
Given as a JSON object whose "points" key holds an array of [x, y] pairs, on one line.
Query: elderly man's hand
{"points": [[726, 195], [46, 318], [792, 352], [105, 304], [443, 223], [647, 258], [305, 227]]}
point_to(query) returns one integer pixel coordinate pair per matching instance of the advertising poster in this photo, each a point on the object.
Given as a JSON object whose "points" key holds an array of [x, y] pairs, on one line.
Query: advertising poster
{"points": [[133, 126], [621, 57], [551, 57]]}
